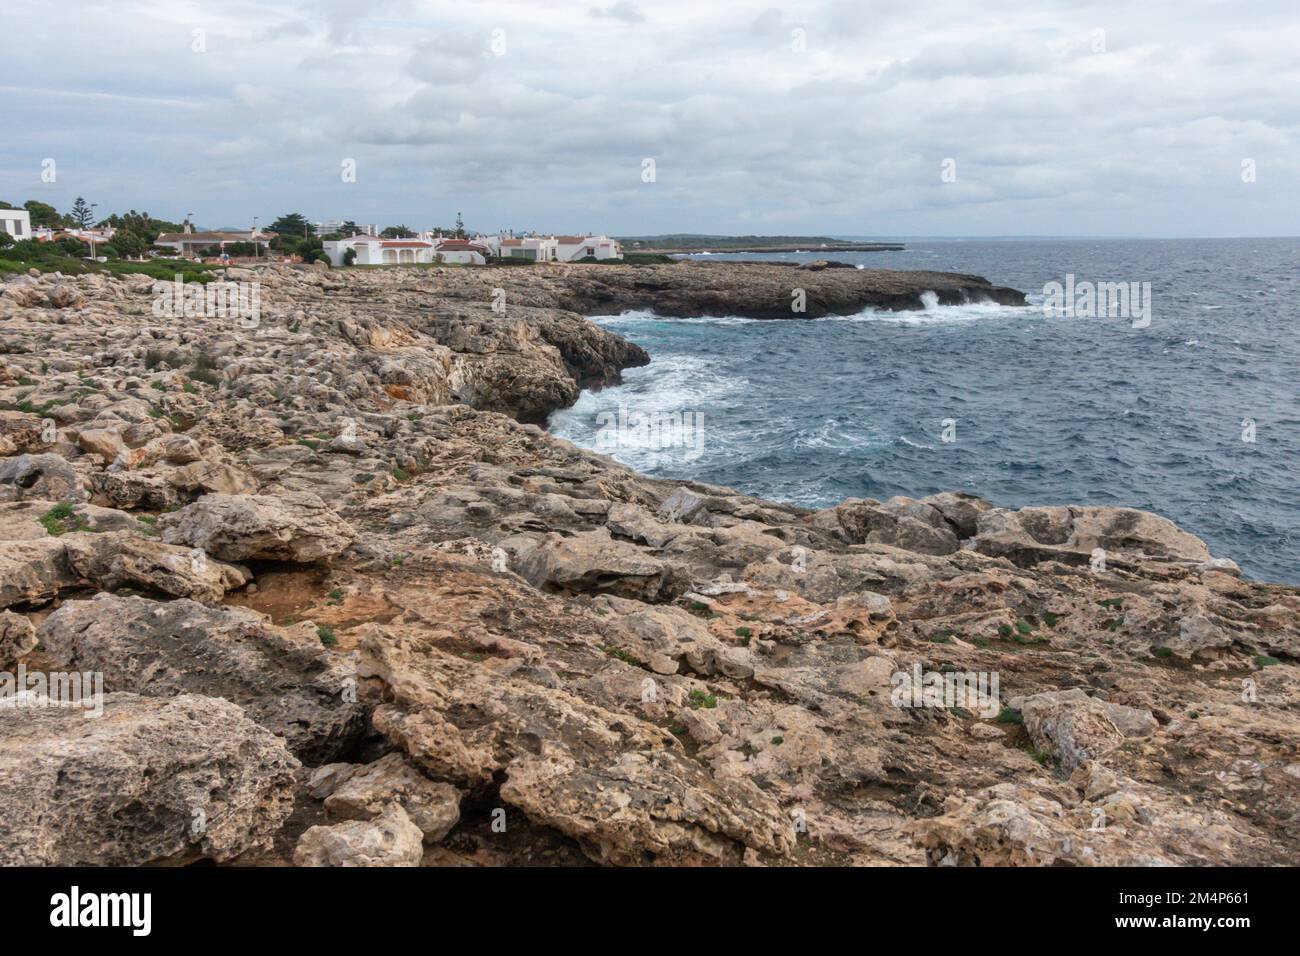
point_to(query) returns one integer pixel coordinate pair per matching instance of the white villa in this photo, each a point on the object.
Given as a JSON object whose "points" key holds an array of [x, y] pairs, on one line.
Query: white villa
{"points": [[374, 251], [430, 247], [17, 223], [554, 248], [462, 251]]}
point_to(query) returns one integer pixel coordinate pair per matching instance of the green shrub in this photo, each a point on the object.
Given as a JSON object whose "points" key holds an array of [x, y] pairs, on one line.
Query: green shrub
{"points": [[1009, 715], [699, 699], [63, 519]]}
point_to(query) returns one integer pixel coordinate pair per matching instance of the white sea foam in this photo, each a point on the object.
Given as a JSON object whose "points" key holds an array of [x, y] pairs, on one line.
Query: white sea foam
{"points": [[935, 314], [642, 315], [834, 436], [672, 385]]}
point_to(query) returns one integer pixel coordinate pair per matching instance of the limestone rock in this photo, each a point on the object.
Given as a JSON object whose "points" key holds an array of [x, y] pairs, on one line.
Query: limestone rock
{"points": [[65, 296], [294, 689], [390, 839], [615, 783], [296, 526], [1078, 727], [594, 562], [433, 807], [17, 638], [110, 561], [1074, 532], [151, 781], [47, 477]]}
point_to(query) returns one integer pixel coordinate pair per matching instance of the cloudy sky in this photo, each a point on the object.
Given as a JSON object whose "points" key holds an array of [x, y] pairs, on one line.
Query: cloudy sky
{"points": [[1062, 117]]}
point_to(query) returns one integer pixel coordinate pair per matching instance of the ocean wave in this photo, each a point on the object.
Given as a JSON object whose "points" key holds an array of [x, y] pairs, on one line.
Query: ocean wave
{"points": [[634, 317], [934, 313]]}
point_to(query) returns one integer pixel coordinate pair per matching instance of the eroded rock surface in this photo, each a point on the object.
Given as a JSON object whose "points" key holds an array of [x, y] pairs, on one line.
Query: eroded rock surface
{"points": [[390, 839], [151, 781], [285, 681], [347, 523]]}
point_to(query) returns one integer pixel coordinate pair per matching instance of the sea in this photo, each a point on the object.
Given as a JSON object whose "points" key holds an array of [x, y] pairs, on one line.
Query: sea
{"points": [[1191, 411]]}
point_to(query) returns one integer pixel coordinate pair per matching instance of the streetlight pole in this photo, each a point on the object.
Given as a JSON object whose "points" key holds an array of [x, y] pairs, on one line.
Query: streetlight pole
{"points": [[92, 235]]}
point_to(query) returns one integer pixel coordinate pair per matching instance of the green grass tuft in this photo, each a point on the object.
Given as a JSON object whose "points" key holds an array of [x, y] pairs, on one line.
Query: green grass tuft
{"points": [[63, 519], [699, 699]]}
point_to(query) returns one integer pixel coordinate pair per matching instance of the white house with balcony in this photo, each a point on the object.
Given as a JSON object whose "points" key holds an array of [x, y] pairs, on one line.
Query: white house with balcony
{"points": [[17, 223]]}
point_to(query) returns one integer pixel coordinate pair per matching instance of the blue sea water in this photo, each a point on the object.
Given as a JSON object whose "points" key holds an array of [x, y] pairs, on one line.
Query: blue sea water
{"points": [[1047, 410]]}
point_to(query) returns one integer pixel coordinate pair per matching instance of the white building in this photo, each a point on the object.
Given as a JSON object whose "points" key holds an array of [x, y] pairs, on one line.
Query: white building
{"points": [[460, 251], [17, 223], [572, 248], [103, 235], [536, 248], [554, 248], [373, 251], [325, 227]]}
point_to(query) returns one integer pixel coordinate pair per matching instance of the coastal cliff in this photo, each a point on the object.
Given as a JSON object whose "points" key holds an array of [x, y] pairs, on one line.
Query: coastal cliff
{"points": [[350, 603]]}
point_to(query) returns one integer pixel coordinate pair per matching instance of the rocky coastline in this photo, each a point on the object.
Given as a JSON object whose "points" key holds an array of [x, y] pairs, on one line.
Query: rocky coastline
{"points": [[351, 605]]}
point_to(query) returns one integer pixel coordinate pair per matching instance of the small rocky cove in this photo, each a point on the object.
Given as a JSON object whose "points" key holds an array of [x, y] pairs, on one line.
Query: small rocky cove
{"points": [[352, 605]]}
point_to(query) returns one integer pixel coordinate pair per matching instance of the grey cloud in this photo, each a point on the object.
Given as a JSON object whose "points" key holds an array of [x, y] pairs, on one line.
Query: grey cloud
{"points": [[745, 130]]}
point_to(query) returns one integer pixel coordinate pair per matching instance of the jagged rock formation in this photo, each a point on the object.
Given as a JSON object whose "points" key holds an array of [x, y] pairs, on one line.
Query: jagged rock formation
{"points": [[150, 781], [340, 537]]}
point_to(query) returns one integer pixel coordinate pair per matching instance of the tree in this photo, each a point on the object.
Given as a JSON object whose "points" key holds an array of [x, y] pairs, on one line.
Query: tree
{"points": [[129, 244], [311, 250], [293, 224], [83, 214], [43, 214], [349, 257], [72, 247], [398, 232], [460, 227], [349, 229], [8, 240], [142, 225]]}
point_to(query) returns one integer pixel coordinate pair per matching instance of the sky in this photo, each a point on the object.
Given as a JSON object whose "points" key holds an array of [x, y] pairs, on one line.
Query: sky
{"points": [[633, 117]]}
